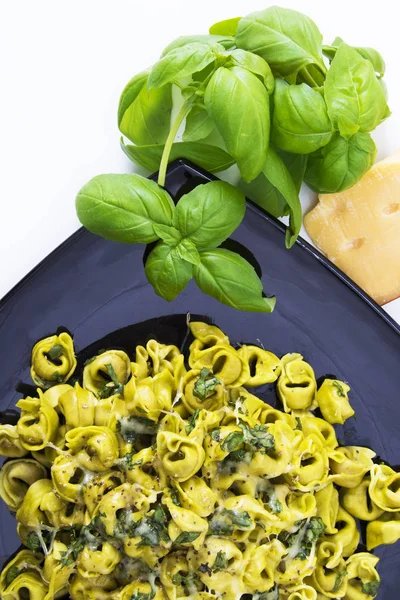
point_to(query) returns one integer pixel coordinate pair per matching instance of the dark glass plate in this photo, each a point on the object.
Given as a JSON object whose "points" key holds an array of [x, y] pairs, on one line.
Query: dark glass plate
{"points": [[98, 290]]}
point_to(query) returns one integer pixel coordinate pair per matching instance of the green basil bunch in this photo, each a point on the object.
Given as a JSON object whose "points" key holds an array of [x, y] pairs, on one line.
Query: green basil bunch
{"points": [[260, 86], [135, 210], [260, 92]]}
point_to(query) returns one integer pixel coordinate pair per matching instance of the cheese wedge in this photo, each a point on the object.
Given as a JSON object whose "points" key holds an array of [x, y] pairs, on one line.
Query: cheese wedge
{"points": [[359, 229]]}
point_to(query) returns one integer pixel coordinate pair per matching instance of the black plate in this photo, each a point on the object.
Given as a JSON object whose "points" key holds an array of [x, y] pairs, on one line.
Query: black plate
{"points": [[94, 287]]}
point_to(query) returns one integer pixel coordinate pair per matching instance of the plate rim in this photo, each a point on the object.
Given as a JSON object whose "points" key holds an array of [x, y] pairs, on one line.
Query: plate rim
{"points": [[195, 169]]}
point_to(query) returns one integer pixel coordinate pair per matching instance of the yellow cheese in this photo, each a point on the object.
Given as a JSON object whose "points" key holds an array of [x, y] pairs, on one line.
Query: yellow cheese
{"points": [[359, 230]]}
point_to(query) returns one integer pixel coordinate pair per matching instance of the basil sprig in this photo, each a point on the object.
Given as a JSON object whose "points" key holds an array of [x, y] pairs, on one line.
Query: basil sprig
{"points": [[132, 209]]}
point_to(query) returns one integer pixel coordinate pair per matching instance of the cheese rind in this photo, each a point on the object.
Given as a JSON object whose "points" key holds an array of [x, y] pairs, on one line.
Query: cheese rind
{"points": [[359, 229]]}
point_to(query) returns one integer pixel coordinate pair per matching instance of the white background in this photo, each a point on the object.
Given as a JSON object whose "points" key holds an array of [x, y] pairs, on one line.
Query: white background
{"points": [[63, 66]]}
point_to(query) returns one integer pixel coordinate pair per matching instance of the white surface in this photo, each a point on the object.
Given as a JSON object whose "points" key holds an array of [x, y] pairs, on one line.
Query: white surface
{"points": [[64, 64]]}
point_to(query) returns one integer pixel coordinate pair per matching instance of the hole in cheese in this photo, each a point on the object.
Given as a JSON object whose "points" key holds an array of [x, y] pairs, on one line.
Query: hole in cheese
{"points": [[357, 243], [391, 208]]}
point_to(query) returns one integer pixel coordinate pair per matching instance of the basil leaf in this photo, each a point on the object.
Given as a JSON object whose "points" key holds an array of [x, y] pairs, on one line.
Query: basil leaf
{"points": [[216, 434], [175, 497], [229, 278], [11, 574], [354, 96], [138, 595], [338, 581], [192, 421], [223, 523], [238, 103], [253, 63], [55, 353], [210, 213], [33, 542], [232, 441], [188, 251], [240, 519], [226, 41], [263, 193], [210, 158], [182, 62], [205, 385], [147, 119], [186, 537], [123, 208], [286, 39], [296, 164], [221, 561], [278, 175], [370, 54], [341, 163], [198, 124], [371, 588], [167, 272], [300, 121], [130, 93], [168, 234], [226, 27], [130, 464], [258, 437], [113, 386]]}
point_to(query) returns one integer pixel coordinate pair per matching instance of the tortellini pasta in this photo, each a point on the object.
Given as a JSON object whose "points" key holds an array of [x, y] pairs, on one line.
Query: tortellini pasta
{"points": [[53, 360], [160, 476]]}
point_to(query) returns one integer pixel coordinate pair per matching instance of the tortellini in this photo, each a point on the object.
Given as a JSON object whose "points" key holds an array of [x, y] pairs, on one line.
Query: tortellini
{"points": [[333, 401], [53, 360], [161, 477], [15, 478]]}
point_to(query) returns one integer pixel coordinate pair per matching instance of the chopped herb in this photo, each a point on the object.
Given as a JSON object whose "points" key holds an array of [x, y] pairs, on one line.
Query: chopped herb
{"points": [[93, 533], [340, 390], [371, 587], [33, 542], [55, 353], [124, 526], [232, 441], [269, 496], [305, 537], [258, 437], [221, 562], [11, 574], [192, 421], [206, 384], [154, 528], [240, 519], [216, 434], [66, 559], [224, 522], [130, 464], [275, 505], [340, 575], [175, 497], [187, 536], [142, 596], [140, 409], [237, 404], [190, 581], [299, 425], [111, 387]]}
